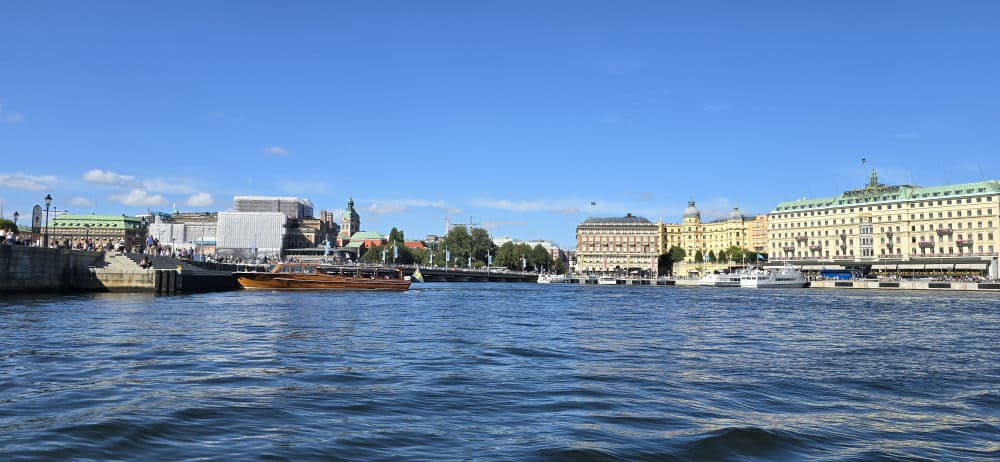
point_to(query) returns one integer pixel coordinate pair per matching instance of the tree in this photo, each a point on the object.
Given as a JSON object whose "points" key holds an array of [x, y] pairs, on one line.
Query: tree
{"points": [[506, 258], [540, 258], [396, 236], [481, 245], [676, 254], [711, 256], [735, 252], [698, 256], [404, 256]]}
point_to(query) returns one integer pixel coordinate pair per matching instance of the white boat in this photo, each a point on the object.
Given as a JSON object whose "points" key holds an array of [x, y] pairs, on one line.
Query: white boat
{"points": [[607, 281], [785, 276], [720, 280], [550, 278]]}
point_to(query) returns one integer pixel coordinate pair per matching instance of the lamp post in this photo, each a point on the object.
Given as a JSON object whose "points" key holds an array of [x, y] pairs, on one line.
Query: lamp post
{"points": [[48, 202], [86, 240], [15, 224]]}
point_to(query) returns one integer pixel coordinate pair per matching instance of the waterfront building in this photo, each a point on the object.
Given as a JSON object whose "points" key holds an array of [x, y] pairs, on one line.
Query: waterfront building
{"points": [[100, 230], [892, 228], [758, 234], [251, 234], [622, 244], [291, 207], [714, 236]]}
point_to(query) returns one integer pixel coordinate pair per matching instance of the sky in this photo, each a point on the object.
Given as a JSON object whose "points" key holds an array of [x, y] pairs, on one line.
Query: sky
{"points": [[512, 115]]}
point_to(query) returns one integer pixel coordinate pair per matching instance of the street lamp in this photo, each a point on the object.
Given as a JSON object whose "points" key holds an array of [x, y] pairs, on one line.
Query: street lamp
{"points": [[48, 202], [15, 220]]}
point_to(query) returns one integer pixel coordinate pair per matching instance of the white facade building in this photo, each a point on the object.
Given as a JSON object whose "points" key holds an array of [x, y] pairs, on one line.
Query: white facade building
{"points": [[241, 234]]}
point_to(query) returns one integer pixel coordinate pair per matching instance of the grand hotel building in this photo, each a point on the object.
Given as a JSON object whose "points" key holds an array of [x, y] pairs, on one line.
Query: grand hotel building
{"points": [[614, 245], [880, 227]]}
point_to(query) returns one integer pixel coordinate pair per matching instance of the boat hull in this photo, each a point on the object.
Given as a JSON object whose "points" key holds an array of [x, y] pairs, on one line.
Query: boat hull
{"points": [[281, 281]]}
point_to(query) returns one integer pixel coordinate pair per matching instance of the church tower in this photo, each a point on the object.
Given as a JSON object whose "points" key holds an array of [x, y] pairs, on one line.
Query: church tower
{"points": [[350, 221]]}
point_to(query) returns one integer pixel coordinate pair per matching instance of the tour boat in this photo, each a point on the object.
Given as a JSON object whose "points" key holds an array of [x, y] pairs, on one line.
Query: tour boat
{"points": [[607, 281], [312, 276], [720, 280], [785, 276], [550, 278]]}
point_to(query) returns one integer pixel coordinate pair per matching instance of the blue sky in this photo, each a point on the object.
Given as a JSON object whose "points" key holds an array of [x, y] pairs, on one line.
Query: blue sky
{"points": [[515, 114]]}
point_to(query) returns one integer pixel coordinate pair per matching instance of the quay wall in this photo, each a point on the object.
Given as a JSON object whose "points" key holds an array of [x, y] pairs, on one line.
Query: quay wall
{"points": [[905, 285], [37, 269]]}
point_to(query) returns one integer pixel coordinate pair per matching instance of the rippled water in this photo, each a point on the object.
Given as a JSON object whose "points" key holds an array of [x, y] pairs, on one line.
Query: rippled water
{"points": [[502, 372]]}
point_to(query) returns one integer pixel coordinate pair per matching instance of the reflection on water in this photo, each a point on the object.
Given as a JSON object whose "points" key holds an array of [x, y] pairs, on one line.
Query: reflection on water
{"points": [[494, 371]]}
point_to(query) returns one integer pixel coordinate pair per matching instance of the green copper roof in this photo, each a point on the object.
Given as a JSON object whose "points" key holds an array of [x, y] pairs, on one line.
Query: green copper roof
{"points": [[366, 236], [880, 194]]}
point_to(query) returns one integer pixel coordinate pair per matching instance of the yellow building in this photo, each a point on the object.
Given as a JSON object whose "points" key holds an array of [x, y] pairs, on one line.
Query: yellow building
{"points": [[892, 228], [715, 236]]}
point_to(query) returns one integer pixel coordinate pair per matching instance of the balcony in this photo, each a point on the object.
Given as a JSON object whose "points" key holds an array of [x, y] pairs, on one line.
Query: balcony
{"points": [[964, 242], [889, 233], [843, 246], [843, 235], [801, 238], [926, 244], [943, 231], [815, 247], [788, 248], [889, 244]]}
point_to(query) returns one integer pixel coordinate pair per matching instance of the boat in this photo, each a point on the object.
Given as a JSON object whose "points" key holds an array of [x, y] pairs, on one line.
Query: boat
{"points": [[315, 276], [785, 276], [551, 278], [720, 280], [607, 281]]}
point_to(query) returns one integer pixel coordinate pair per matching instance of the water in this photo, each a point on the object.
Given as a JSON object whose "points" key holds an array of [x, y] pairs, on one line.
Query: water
{"points": [[502, 372]]}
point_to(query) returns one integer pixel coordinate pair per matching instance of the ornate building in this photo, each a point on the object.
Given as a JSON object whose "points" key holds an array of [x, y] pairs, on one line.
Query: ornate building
{"points": [[350, 221], [715, 236], [628, 244], [900, 227], [100, 230]]}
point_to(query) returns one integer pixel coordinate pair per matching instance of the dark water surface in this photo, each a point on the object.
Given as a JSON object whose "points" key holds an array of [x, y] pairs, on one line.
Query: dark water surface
{"points": [[502, 372]]}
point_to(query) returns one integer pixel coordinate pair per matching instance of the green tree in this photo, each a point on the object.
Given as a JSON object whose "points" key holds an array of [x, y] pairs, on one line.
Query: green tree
{"points": [[559, 267], [405, 256], [506, 257], [396, 236], [735, 253], [677, 254], [698, 256], [711, 256], [481, 245], [540, 258]]}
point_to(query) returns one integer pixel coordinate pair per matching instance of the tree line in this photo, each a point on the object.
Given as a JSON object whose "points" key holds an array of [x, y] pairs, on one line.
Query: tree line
{"points": [[458, 246]]}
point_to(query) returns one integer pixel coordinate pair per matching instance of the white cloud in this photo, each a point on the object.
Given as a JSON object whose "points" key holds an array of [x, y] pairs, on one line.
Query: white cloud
{"points": [[138, 197], [99, 176], [711, 108], [27, 182], [81, 201], [276, 151], [492, 225], [385, 208], [201, 199], [167, 186], [907, 136], [402, 205], [13, 118]]}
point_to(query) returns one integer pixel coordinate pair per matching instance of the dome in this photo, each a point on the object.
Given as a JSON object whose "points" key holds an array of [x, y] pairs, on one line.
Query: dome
{"points": [[735, 214], [691, 211]]}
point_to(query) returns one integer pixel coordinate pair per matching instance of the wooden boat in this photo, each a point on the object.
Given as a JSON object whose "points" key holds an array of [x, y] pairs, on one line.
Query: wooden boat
{"points": [[313, 276]]}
